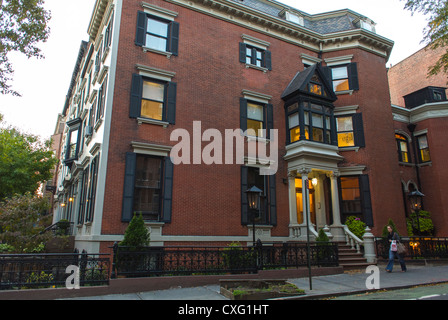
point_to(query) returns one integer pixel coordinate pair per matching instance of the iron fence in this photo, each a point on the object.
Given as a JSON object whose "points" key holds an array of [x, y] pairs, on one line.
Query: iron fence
{"points": [[158, 261], [19, 271], [416, 247]]}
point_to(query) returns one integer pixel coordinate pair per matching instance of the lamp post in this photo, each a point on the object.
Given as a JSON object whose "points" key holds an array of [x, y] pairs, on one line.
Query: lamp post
{"points": [[415, 198], [253, 199]]}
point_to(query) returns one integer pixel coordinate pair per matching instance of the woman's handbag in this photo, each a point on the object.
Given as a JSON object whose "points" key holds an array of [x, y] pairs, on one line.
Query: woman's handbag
{"points": [[401, 249], [393, 246]]}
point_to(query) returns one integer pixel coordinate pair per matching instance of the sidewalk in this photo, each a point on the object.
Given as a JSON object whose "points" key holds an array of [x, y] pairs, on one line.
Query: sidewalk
{"points": [[322, 286]]}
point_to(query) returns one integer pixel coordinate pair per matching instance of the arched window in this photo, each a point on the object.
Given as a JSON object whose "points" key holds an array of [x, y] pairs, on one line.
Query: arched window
{"points": [[403, 150]]}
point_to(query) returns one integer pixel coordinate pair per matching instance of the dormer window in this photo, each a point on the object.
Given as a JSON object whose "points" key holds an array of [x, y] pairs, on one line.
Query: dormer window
{"points": [[293, 17]]}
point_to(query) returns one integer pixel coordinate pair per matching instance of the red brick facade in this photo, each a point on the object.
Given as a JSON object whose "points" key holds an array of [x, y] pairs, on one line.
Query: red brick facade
{"points": [[211, 80], [431, 119]]}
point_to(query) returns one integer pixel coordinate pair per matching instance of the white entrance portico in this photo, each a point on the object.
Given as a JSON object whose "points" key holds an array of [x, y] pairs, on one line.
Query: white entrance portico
{"points": [[315, 164]]}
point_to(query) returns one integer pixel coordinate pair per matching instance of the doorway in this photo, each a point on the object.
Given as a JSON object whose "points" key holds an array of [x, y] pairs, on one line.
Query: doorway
{"points": [[299, 199]]}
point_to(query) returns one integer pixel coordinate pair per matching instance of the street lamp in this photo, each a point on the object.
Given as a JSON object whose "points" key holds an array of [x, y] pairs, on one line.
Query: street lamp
{"points": [[415, 198], [253, 198]]}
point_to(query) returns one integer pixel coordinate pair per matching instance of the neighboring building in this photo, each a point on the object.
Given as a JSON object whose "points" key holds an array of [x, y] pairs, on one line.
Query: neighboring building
{"points": [[420, 111], [155, 66]]}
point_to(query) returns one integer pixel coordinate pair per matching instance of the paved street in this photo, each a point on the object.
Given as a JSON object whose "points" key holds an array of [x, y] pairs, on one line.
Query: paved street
{"points": [[426, 292]]}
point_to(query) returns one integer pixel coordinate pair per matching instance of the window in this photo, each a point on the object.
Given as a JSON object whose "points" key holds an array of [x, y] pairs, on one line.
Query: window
{"points": [[148, 185], [73, 140], [351, 198], [147, 190], [254, 56], [255, 119], [423, 148], [101, 101], [153, 99], [346, 136], [255, 179], [91, 191], [340, 79], [350, 131], [344, 77], [402, 145], [157, 33], [250, 176], [310, 121]]}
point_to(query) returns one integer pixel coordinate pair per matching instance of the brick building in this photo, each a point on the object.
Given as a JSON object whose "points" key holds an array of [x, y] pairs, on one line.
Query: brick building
{"points": [[156, 71], [420, 111]]}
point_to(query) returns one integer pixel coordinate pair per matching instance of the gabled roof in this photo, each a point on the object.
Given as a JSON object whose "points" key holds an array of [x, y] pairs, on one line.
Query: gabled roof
{"points": [[299, 84]]}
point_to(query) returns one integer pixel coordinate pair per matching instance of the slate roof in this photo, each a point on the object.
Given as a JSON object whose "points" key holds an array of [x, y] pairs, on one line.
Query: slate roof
{"points": [[301, 79], [323, 26]]}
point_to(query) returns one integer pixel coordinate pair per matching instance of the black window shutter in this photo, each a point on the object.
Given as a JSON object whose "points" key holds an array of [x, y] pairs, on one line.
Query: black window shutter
{"points": [[244, 204], [128, 189], [174, 38], [272, 200], [269, 120], [267, 60], [353, 76], [136, 96], [141, 29], [366, 201], [242, 52], [167, 190], [358, 128], [171, 102], [328, 76], [243, 114]]}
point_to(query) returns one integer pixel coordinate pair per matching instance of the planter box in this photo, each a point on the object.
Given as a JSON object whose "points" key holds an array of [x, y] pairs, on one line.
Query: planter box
{"points": [[258, 289]]}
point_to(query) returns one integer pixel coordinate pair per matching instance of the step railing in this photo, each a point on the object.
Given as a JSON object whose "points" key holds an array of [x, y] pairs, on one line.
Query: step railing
{"points": [[352, 240]]}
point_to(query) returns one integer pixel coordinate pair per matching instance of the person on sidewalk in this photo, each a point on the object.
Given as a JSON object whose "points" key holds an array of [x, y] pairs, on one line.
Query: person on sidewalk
{"points": [[393, 239]]}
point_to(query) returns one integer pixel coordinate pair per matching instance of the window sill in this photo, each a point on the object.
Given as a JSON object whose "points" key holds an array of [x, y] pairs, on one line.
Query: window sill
{"points": [[349, 149], [257, 139], [248, 65], [406, 164], [152, 121], [164, 53], [425, 164], [350, 92]]}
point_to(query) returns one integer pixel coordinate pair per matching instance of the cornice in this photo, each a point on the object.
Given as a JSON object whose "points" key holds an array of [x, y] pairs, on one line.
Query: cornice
{"points": [[97, 18], [423, 112], [291, 32]]}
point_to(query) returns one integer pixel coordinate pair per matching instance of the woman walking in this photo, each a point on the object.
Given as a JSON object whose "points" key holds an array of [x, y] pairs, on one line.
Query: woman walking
{"points": [[393, 239]]}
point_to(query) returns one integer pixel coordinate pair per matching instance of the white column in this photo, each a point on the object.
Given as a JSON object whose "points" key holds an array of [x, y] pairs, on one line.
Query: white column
{"points": [[292, 199], [335, 199], [305, 195], [336, 228]]}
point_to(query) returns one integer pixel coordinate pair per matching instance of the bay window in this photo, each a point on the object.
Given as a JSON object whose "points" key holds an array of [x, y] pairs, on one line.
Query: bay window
{"points": [[310, 121]]}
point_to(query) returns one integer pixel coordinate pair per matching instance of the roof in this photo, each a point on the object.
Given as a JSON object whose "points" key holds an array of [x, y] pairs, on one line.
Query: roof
{"points": [[324, 23], [300, 81]]}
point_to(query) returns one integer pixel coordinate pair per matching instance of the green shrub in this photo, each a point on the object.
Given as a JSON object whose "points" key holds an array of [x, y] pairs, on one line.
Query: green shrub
{"points": [[425, 221], [136, 234], [356, 226]]}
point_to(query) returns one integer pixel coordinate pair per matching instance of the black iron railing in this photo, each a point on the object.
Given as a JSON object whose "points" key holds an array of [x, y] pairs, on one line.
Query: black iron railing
{"points": [[158, 261], [18, 271], [416, 248]]}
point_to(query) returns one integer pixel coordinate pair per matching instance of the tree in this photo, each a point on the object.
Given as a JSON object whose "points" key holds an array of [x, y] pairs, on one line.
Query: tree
{"points": [[22, 220], [436, 33], [23, 24], [25, 162]]}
